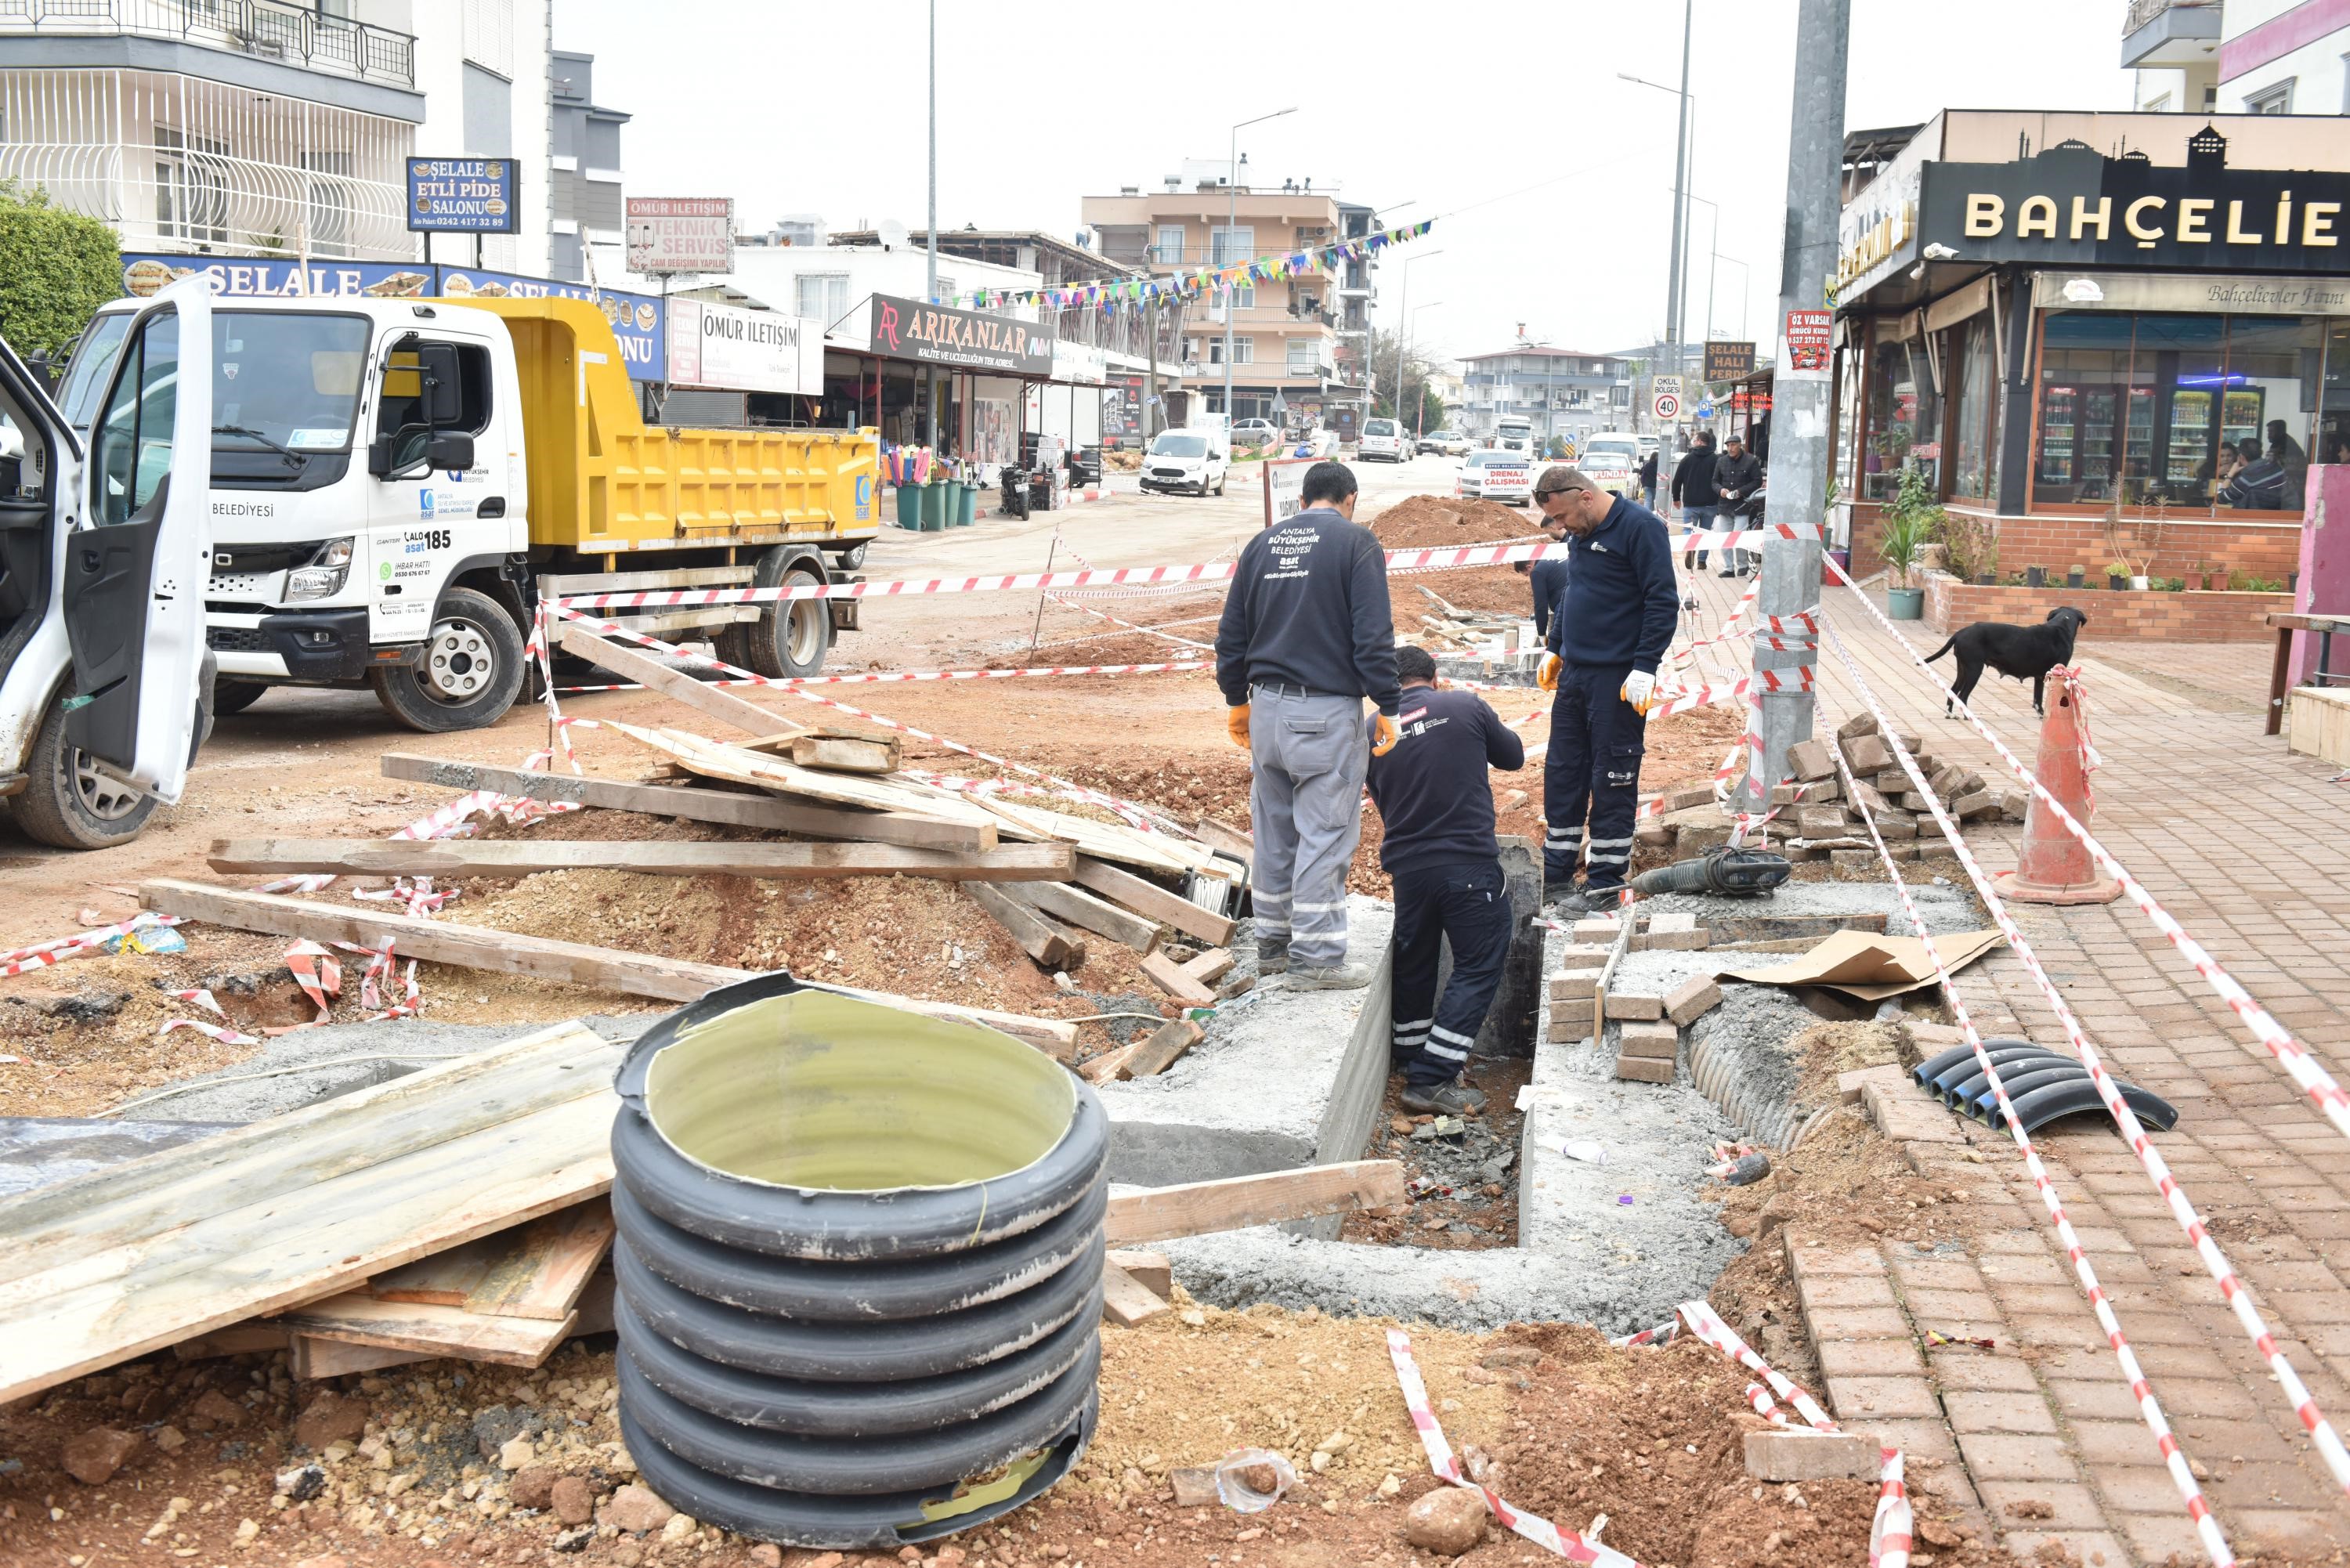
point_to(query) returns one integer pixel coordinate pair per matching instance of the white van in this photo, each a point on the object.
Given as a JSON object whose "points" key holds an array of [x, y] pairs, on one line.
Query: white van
{"points": [[1383, 439], [1191, 458]]}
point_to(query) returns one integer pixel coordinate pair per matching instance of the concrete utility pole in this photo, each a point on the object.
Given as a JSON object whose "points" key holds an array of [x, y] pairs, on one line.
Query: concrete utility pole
{"points": [[1670, 438], [930, 290], [1799, 398]]}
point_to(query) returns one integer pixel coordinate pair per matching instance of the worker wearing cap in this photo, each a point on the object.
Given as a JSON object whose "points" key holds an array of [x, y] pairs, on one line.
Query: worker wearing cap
{"points": [[1605, 643], [1436, 807], [1306, 636]]}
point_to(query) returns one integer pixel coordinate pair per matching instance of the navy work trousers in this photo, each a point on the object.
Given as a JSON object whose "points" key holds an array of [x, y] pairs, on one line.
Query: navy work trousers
{"points": [[1469, 903], [1593, 767]]}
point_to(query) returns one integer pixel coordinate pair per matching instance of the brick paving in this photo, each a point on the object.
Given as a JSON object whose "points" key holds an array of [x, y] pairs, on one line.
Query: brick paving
{"points": [[2244, 843]]}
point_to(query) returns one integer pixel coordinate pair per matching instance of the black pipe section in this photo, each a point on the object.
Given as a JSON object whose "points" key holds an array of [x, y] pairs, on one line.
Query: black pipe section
{"points": [[1941, 1062]]}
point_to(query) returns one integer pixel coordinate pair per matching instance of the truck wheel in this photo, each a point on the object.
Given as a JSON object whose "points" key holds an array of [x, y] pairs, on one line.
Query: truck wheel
{"points": [[471, 673], [849, 560], [235, 696], [791, 636], [70, 805]]}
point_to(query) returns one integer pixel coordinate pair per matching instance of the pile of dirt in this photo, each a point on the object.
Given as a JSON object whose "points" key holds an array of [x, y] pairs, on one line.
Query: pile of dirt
{"points": [[1432, 523]]}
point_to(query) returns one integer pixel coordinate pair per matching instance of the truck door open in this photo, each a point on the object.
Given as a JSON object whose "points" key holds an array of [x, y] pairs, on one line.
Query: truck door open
{"points": [[136, 565]]}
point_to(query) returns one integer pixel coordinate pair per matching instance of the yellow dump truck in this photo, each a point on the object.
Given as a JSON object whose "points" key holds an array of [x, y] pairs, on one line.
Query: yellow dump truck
{"points": [[396, 485]]}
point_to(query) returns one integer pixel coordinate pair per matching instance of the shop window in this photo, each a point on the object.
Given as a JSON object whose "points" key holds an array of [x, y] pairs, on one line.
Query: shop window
{"points": [[1905, 419], [1975, 471], [2165, 410]]}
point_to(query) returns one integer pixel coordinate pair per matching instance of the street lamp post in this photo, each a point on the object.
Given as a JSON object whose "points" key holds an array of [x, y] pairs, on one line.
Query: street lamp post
{"points": [[1680, 184], [1232, 218], [1403, 310], [1419, 410]]}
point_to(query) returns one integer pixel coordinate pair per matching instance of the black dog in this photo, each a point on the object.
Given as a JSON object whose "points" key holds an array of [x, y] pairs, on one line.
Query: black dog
{"points": [[2019, 652]]}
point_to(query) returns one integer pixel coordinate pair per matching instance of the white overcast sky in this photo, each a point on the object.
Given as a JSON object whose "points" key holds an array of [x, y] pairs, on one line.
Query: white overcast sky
{"points": [[803, 107]]}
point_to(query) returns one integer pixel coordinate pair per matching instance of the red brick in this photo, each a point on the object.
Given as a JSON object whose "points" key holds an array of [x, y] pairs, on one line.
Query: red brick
{"points": [[2000, 1411], [2073, 1507], [1972, 1371], [1862, 1399], [1869, 1358], [1845, 1290], [2006, 1456]]}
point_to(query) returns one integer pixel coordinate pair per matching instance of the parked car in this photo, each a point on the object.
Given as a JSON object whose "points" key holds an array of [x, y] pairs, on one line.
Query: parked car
{"points": [[1382, 438], [1255, 432], [1193, 459], [1451, 444], [1612, 462], [1495, 475]]}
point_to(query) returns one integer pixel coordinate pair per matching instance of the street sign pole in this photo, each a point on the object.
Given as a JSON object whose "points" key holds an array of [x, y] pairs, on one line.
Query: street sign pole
{"points": [[1799, 432]]}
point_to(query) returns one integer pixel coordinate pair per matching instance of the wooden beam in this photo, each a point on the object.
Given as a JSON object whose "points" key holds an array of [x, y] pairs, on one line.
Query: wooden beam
{"points": [[1110, 1064], [356, 1318], [763, 811], [1168, 976], [843, 754], [509, 952], [1210, 966], [1151, 1271], [631, 665], [1153, 901], [715, 758], [1162, 1050], [1230, 840], [1161, 1213], [1126, 1301], [532, 1271], [1081, 909], [1040, 936], [314, 1358], [237, 1339], [453, 857]]}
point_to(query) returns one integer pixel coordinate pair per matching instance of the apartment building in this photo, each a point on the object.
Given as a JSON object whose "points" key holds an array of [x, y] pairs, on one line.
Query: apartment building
{"points": [[584, 178], [1297, 344], [273, 128], [1559, 391], [2245, 56]]}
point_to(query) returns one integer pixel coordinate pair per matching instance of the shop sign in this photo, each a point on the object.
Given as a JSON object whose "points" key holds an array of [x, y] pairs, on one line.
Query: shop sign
{"points": [[1807, 340], [1121, 409], [1082, 363], [1878, 230], [734, 349], [681, 233], [2071, 205], [968, 339], [1728, 361], [2199, 293], [464, 195], [636, 319]]}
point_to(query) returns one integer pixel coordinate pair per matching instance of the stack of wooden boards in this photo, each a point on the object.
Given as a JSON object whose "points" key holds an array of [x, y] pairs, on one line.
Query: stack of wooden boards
{"points": [[458, 1211]]}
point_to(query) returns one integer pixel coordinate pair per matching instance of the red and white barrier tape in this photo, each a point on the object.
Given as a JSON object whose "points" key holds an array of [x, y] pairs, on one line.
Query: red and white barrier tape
{"points": [[1664, 1333], [1765, 1406], [1888, 1532], [41, 955], [1707, 1324], [2321, 1432], [1681, 701], [1128, 625], [2314, 1080], [1447, 1466], [222, 1032], [317, 972]]}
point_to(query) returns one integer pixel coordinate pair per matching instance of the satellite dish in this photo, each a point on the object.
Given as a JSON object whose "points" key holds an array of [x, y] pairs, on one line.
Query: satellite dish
{"points": [[893, 235]]}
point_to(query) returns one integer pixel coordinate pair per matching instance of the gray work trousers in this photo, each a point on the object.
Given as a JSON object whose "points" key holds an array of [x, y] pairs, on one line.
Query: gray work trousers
{"points": [[1307, 756]]}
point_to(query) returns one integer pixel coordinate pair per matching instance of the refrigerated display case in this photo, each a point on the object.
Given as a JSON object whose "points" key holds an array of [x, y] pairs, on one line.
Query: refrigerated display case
{"points": [[2240, 415], [2189, 445], [2058, 407]]}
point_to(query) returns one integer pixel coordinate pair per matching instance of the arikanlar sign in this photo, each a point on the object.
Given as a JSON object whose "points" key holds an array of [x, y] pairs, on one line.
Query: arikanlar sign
{"points": [[967, 339], [2071, 205]]}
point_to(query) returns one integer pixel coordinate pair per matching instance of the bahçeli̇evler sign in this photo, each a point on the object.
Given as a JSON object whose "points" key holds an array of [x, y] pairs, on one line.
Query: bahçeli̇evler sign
{"points": [[2071, 205], [940, 335]]}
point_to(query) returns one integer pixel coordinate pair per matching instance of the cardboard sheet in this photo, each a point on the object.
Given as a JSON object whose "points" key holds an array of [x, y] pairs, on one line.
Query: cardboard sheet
{"points": [[1871, 967]]}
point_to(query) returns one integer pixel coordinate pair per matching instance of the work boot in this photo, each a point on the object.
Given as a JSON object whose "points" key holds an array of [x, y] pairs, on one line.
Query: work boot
{"points": [[1725, 572], [1329, 977], [1272, 957], [1443, 1099], [1562, 891], [1688, 561]]}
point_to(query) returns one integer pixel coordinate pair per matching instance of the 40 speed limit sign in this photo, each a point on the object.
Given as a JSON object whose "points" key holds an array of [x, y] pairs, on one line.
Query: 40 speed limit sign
{"points": [[1668, 405]]}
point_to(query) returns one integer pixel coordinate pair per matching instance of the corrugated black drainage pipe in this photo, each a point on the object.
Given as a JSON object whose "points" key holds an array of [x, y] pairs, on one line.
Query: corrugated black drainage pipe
{"points": [[859, 1265]]}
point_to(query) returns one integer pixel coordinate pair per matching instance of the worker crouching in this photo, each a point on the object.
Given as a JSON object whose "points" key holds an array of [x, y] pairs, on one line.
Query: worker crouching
{"points": [[1436, 808]]}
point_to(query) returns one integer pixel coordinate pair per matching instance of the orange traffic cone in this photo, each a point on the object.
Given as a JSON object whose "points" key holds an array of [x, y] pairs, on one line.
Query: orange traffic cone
{"points": [[2055, 867]]}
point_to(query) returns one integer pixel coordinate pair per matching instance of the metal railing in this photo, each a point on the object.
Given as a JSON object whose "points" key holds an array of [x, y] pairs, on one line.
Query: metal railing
{"points": [[2141, 12], [267, 29]]}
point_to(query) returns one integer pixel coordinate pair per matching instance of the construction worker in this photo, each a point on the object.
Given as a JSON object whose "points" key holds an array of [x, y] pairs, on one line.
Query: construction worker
{"points": [[1438, 811], [1306, 636], [1547, 578], [1605, 643]]}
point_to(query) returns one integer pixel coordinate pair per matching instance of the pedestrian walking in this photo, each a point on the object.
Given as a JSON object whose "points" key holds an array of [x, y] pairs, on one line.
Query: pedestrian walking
{"points": [[1736, 477], [1436, 807], [1694, 493], [1605, 643], [1648, 481], [1306, 636]]}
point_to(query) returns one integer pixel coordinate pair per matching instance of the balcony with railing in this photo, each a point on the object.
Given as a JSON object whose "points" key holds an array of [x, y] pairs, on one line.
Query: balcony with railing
{"points": [[2158, 33], [281, 31]]}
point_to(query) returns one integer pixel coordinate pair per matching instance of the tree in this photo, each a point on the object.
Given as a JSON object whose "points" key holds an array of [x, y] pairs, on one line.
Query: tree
{"points": [[56, 269], [1423, 409]]}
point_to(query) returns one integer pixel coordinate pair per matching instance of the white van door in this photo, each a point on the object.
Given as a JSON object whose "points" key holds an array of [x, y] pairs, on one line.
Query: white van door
{"points": [[137, 560]]}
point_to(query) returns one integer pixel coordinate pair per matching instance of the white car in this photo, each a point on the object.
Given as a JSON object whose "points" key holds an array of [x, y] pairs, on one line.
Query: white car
{"points": [[1186, 459], [1383, 439], [1255, 432], [105, 681], [1612, 462], [1451, 444], [1494, 475]]}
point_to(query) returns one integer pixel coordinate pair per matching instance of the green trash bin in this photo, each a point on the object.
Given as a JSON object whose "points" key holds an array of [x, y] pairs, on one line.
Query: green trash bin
{"points": [[967, 512], [934, 505], [909, 506]]}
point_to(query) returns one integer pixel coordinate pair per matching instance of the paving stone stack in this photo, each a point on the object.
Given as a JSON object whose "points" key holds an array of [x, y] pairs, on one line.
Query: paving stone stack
{"points": [[1649, 1020]]}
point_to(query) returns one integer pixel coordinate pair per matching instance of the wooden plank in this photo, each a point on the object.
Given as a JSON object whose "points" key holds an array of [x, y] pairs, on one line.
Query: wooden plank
{"points": [[712, 759], [1103, 840], [1162, 1050], [314, 1358], [1126, 1301], [1194, 1209], [843, 754], [1210, 966], [1224, 835], [1081, 909], [1623, 945], [631, 665], [1109, 1066], [552, 1262], [761, 810], [1726, 928], [1151, 1271], [1040, 936], [1166, 976], [357, 1318], [237, 1339], [805, 862], [508, 952], [1154, 902]]}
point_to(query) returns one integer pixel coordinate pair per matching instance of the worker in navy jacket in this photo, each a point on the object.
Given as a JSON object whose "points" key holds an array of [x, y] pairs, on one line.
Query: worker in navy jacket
{"points": [[1437, 809], [1605, 644], [1547, 578]]}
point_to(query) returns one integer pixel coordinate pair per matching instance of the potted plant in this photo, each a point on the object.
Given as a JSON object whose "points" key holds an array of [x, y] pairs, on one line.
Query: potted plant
{"points": [[1904, 538], [2118, 575], [2035, 577], [2076, 576]]}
